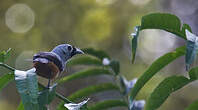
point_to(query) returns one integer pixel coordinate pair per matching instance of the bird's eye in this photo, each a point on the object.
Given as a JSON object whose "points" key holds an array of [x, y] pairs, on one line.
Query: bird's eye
{"points": [[69, 48]]}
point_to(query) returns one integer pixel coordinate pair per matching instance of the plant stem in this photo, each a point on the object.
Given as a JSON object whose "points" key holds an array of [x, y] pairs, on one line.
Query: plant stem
{"points": [[57, 94], [116, 81], [7, 66], [63, 98]]}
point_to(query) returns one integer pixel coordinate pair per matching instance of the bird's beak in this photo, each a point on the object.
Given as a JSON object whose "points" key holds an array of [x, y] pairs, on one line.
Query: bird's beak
{"points": [[76, 51]]}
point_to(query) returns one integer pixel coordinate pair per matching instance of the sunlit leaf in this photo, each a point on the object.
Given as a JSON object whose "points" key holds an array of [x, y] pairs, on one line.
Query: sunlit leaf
{"points": [[97, 53], [164, 21], [107, 104], [164, 89], [155, 67], [5, 79], [193, 106], [85, 73]]}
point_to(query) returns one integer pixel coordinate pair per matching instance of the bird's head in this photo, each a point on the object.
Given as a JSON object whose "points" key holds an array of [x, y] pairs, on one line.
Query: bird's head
{"points": [[66, 51]]}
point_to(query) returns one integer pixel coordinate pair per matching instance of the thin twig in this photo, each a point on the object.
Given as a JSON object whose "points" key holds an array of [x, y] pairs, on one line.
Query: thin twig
{"points": [[57, 94], [63, 98], [7, 66]]}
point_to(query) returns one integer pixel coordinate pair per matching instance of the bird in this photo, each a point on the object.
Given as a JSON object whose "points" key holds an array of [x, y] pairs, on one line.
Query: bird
{"points": [[50, 64]]}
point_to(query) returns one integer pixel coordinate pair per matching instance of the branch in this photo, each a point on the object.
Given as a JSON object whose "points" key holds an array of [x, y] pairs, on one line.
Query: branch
{"points": [[7, 66], [57, 94]]}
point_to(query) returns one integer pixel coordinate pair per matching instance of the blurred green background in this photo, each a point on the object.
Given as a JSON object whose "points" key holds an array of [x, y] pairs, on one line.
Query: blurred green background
{"points": [[30, 26]]}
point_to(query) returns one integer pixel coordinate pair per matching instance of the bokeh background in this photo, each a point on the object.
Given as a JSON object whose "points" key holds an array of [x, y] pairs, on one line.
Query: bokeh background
{"points": [[30, 26]]}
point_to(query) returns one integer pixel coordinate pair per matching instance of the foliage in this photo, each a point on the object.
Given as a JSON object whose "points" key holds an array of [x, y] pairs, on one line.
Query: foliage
{"points": [[155, 67], [193, 106], [27, 84], [108, 104], [172, 24], [164, 89], [163, 21], [5, 79], [36, 96]]}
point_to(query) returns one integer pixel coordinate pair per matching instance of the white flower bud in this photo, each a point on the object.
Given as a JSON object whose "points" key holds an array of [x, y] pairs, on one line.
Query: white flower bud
{"points": [[105, 61]]}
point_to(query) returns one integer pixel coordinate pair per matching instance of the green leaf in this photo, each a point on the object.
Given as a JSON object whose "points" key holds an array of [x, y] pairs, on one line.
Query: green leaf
{"points": [[8, 53], [41, 87], [115, 66], [84, 60], [193, 73], [61, 106], [46, 96], [164, 89], [186, 26], [26, 83], [134, 42], [52, 93], [92, 90], [97, 53], [107, 104], [193, 106], [156, 66], [89, 91], [4, 55], [5, 79], [85, 73], [164, 21], [20, 106]]}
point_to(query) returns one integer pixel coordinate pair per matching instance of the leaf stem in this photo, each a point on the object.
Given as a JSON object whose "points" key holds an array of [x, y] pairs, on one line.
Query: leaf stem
{"points": [[7, 66], [63, 98], [57, 94]]}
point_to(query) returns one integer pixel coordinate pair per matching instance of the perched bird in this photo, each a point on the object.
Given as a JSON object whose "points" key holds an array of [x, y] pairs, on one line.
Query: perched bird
{"points": [[50, 64]]}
